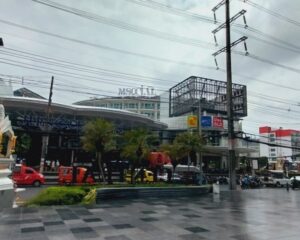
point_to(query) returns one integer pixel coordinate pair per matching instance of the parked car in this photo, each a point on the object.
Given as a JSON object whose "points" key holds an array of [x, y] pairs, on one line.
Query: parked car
{"points": [[65, 176], [275, 178], [23, 175], [175, 178]]}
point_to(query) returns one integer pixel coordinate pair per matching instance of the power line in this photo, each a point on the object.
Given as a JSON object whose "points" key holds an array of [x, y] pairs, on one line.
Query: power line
{"points": [[144, 30], [141, 76], [184, 13], [54, 71], [126, 26], [273, 98], [272, 13], [266, 143], [36, 82], [80, 67], [172, 10], [284, 47], [58, 63], [139, 54], [105, 47], [296, 70]]}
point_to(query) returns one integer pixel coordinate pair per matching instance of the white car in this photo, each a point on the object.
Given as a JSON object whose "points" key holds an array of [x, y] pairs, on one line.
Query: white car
{"points": [[164, 178], [276, 181], [276, 178]]}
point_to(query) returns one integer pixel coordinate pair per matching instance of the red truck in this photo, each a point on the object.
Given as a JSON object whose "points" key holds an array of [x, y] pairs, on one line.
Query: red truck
{"points": [[23, 175], [65, 176]]}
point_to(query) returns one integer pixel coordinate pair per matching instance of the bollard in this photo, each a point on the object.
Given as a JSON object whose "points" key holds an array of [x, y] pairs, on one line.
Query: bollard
{"points": [[216, 188]]}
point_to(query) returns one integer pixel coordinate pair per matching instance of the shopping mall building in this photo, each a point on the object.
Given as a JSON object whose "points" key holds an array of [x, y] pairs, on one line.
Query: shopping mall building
{"points": [[28, 114], [200, 97]]}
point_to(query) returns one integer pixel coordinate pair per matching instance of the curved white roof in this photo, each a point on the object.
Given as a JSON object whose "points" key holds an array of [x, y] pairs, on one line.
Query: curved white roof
{"points": [[78, 110]]}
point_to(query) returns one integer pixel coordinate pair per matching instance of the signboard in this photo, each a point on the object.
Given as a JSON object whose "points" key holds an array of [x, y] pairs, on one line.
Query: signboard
{"points": [[192, 121], [140, 91], [206, 121], [218, 122], [254, 164]]}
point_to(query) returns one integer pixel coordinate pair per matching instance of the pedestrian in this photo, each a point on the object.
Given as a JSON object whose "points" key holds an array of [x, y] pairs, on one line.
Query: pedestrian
{"points": [[52, 165], [287, 186], [294, 183]]}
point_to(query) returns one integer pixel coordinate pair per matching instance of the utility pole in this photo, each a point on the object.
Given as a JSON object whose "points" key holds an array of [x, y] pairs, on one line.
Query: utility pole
{"points": [[200, 131], [231, 151], [229, 97], [45, 137]]}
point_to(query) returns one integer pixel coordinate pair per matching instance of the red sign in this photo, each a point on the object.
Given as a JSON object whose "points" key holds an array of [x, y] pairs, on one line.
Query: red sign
{"points": [[218, 122]]}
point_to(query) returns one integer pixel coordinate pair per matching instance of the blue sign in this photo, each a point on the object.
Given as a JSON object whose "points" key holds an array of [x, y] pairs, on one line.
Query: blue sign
{"points": [[206, 121]]}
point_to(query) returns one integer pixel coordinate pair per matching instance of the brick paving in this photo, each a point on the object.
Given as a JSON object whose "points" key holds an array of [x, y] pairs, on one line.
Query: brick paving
{"points": [[242, 215]]}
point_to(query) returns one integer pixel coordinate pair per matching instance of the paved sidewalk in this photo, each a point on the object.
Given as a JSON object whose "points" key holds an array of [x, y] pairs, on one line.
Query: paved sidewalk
{"points": [[243, 215]]}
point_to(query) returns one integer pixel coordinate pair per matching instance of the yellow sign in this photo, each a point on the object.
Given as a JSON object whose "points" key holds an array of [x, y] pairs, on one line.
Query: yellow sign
{"points": [[192, 121]]}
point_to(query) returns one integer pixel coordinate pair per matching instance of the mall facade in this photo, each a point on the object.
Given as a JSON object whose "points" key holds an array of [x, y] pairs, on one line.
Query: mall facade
{"points": [[29, 115], [195, 96]]}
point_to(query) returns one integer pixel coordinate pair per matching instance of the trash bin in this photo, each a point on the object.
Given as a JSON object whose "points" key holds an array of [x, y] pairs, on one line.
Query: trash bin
{"points": [[216, 188]]}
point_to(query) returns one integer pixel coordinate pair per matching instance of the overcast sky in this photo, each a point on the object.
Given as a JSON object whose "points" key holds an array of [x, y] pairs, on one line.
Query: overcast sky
{"points": [[124, 43]]}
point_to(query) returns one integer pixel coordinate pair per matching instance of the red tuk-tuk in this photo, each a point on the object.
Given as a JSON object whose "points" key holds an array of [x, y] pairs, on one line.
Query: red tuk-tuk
{"points": [[65, 175]]}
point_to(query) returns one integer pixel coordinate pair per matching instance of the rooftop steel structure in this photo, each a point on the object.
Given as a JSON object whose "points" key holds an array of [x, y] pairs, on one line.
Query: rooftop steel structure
{"points": [[186, 96]]}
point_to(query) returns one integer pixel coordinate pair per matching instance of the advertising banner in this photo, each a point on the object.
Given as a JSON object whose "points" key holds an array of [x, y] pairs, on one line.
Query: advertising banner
{"points": [[192, 121], [206, 121], [218, 122]]}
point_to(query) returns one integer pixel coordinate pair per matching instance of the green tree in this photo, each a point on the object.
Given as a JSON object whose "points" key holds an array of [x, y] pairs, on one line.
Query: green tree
{"points": [[23, 144], [138, 143], [98, 138], [188, 144]]}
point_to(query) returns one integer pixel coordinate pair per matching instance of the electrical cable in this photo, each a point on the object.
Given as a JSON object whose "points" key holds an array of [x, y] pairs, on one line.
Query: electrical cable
{"points": [[272, 13], [126, 26]]}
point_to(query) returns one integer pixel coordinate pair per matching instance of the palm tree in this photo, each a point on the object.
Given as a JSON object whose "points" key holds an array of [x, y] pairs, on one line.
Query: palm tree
{"points": [[185, 145], [137, 145], [98, 138], [188, 144]]}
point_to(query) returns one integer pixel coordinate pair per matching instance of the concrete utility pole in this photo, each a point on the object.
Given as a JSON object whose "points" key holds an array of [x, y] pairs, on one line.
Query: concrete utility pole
{"points": [[45, 137], [231, 152], [200, 132], [229, 97]]}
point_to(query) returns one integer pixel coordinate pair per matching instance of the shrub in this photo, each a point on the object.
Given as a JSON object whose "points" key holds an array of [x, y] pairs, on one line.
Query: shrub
{"points": [[59, 196]]}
